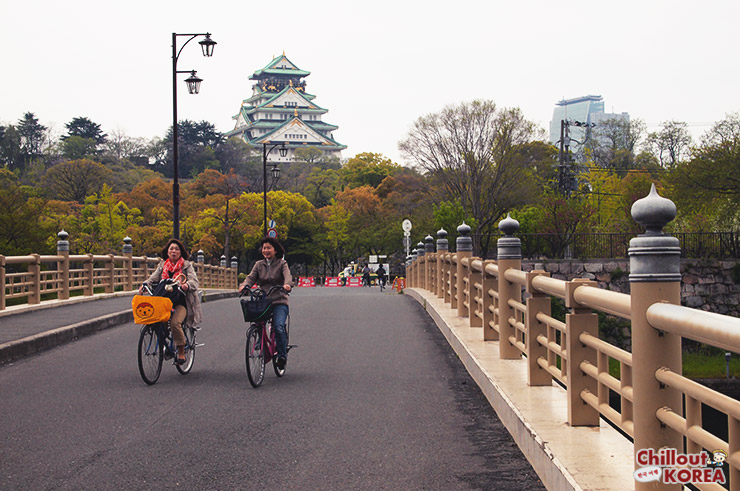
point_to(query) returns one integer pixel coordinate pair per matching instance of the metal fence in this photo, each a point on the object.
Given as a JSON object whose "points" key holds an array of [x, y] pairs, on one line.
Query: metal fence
{"points": [[716, 245]]}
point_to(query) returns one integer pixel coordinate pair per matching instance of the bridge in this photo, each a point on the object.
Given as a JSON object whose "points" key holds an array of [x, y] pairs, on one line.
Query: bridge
{"points": [[375, 387]]}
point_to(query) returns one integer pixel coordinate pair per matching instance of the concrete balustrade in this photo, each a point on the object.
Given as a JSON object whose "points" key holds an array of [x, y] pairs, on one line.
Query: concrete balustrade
{"points": [[64, 274], [652, 392]]}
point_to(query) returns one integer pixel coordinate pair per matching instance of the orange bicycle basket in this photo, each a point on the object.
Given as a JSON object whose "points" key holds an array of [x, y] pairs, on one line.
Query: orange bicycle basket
{"points": [[150, 310]]}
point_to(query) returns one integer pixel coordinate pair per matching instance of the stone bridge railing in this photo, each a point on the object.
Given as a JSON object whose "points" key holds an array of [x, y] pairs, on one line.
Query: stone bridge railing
{"points": [[62, 275], [513, 307]]}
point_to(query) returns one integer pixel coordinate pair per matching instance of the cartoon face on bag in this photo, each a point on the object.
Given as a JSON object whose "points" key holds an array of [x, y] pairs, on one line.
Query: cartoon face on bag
{"points": [[144, 310]]}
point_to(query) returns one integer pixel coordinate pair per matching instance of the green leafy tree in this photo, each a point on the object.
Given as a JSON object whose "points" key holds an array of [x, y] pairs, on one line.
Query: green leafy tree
{"points": [[22, 230], [76, 148], [85, 128], [367, 169], [11, 153], [336, 229], [709, 182], [33, 135]]}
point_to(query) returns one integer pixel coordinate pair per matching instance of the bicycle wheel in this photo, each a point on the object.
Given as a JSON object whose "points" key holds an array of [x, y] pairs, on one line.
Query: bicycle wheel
{"points": [[150, 355], [255, 356], [278, 371], [185, 368]]}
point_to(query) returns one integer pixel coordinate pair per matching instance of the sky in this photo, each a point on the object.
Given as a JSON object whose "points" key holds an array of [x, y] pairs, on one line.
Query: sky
{"points": [[376, 66]]}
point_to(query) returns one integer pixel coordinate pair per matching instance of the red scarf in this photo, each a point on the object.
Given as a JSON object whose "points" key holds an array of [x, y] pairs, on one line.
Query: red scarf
{"points": [[170, 270]]}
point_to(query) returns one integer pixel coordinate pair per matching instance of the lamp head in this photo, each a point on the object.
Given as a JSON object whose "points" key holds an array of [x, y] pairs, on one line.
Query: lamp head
{"points": [[193, 82], [207, 45]]}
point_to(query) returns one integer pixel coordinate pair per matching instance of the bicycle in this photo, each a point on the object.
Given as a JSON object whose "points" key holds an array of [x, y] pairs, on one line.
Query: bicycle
{"points": [[156, 343], [381, 282], [261, 347]]}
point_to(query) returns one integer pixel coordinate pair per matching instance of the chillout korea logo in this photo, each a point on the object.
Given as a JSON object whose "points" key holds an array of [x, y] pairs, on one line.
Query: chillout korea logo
{"points": [[671, 467]]}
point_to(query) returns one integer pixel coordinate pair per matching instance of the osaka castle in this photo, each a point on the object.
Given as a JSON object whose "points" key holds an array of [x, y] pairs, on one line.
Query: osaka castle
{"points": [[281, 111]]}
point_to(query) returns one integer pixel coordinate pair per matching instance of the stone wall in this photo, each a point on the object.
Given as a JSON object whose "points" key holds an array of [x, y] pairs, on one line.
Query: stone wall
{"points": [[706, 284]]}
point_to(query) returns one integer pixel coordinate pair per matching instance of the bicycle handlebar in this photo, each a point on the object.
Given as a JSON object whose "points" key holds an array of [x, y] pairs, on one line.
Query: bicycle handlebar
{"points": [[272, 289]]}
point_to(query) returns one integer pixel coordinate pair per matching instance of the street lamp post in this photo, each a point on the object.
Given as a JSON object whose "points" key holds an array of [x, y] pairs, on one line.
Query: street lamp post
{"points": [[193, 82], [275, 174]]}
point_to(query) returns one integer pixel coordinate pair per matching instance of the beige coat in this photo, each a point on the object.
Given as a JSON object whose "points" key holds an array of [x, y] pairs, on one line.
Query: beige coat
{"points": [[192, 299]]}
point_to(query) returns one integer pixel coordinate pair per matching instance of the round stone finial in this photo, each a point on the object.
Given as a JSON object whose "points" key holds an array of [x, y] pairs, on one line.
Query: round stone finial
{"points": [[653, 212], [233, 258], [62, 235], [442, 233], [127, 240], [508, 225], [463, 229]]}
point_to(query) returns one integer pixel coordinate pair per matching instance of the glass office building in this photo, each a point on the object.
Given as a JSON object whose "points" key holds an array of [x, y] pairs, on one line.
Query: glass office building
{"points": [[579, 109]]}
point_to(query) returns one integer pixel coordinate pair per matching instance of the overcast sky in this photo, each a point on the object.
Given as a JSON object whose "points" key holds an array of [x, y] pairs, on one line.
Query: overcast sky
{"points": [[375, 65]]}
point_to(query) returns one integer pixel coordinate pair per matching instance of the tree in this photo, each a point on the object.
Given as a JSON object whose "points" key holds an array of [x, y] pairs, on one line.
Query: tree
{"points": [[21, 228], [119, 147], [671, 145], [709, 183], [613, 141], [471, 151], [197, 145], [224, 188], [11, 154], [75, 180], [367, 169], [76, 148], [33, 134], [85, 128]]}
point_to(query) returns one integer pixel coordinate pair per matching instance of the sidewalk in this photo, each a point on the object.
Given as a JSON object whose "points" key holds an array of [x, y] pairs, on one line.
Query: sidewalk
{"points": [[27, 329], [564, 457]]}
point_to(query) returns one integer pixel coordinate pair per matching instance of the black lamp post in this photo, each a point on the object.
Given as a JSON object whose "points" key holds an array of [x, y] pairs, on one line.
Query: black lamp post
{"points": [[275, 175], [193, 82]]}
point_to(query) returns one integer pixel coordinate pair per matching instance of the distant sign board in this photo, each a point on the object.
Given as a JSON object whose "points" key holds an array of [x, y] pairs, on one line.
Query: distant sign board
{"points": [[272, 233]]}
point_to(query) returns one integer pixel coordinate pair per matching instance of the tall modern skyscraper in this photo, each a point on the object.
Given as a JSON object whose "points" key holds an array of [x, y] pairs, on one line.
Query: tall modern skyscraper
{"points": [[583, 113]]}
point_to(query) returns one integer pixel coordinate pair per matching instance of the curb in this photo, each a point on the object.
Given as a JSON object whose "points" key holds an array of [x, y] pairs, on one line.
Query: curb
{"points": [[539, 441], [29, 345]]}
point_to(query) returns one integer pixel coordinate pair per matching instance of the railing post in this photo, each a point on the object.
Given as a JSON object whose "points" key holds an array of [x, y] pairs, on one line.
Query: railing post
{"points": [[509, 257], [430, 260], [63, 265], [474, 319], [89, 272], [489, 283], [111, 267], [200, 269], [35, 269], [2, 282], [128, 252], [222, 273], [442, 248], [234, 273], [447, 277], [464, 245], [579, 320], [453, 280], [655, 260], [419, 266], [537, 302]]}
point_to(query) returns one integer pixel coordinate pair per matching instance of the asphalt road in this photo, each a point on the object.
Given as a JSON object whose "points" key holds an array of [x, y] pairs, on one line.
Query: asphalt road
{"points": [[373, 398]]}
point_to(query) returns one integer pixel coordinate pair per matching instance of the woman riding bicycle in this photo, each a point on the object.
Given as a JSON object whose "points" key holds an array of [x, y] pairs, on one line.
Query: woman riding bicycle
{"points": [[175, 266], [273, 271]]}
